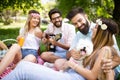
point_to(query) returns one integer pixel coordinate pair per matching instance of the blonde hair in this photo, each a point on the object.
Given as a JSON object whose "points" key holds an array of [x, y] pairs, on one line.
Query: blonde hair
{"points": [[27, 24]]}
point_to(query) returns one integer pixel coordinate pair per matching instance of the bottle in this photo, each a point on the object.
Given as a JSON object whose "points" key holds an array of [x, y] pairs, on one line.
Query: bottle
{"points": [[21, 41]]}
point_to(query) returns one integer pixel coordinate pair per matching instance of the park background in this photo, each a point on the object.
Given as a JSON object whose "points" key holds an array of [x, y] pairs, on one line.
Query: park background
{"points": [[13, 13]]}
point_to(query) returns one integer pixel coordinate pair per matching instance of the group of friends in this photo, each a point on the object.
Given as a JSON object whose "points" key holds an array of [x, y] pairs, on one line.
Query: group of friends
{"points": [[96, 66]]}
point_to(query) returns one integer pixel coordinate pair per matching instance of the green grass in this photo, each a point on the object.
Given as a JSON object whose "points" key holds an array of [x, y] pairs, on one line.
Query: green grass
{"points": [[9, 33]]}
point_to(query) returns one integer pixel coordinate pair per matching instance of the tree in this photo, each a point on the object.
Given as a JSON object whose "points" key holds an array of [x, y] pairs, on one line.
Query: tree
{"points": [[6, 6], [20, 4], [116, 12], [94, 8]]}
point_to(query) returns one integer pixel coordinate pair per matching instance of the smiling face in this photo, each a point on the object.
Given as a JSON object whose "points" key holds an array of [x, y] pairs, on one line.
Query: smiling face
{"points": [[35, 20], [81, 23], [56, 19]]}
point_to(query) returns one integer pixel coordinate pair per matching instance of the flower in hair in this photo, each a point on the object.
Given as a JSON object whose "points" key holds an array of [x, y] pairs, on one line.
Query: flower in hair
{"points": [[99, 22], [35, 14], [103, 26]]}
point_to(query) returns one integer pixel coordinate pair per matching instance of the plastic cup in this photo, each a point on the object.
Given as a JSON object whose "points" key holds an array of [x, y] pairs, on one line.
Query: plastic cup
{"points": [[21, 41]]}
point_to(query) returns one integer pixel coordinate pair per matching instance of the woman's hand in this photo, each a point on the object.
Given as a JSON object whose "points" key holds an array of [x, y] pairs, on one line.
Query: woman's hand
{"points": [[18, 37], [107, 65], [75, 54], [72, 64]]}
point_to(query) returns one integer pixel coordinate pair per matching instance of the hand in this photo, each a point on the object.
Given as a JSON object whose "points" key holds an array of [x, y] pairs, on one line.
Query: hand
{"points": [[44, 40], [18, 37], [107, 65], [52, 41], [72, 64], [75, 54]]}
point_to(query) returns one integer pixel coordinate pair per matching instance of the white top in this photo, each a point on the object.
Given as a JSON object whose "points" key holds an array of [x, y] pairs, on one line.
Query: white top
{"points": [[31, 42], [67, 30], [68, 33]]}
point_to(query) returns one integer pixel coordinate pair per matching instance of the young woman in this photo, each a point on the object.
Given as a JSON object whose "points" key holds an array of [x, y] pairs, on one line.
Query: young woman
{"points": [[32, 34], [102, 40]]}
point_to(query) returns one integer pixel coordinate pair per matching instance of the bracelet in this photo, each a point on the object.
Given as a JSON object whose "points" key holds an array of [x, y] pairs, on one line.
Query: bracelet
{"points": [[75, 66]]}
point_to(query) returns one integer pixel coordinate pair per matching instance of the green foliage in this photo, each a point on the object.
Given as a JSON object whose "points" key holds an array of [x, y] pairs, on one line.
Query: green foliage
{"points": [[65, 6], [20, 4], [94, 8], [8, 7]]}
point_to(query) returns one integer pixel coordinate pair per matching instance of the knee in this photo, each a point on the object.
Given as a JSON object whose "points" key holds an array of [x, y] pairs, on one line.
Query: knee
{"points": [[15, 47], [30, 58], [44, 55]]}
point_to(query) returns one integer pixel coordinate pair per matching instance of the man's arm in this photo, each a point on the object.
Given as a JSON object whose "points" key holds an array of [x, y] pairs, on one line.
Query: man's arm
{"points": [[68, 55]]}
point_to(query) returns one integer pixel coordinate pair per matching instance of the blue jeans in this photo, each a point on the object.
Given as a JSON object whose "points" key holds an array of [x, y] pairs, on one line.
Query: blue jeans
{"points": [[25, 52], [117, 72], [31, 71]]}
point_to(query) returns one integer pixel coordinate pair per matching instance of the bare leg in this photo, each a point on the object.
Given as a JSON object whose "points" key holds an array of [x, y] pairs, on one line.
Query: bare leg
{"points": [[13, 55], [30, 58], [49, 57]]}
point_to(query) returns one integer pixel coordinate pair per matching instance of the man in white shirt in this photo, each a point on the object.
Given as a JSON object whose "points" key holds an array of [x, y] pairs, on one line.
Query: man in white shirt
{"points": [[57, 26]]}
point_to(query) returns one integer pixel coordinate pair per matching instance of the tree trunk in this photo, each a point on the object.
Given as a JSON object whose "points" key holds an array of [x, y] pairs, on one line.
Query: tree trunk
{"points": [[116, 12]]}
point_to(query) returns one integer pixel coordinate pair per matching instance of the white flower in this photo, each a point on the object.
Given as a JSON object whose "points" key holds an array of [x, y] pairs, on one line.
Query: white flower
{"points": [[99, 22], [103, 26]]}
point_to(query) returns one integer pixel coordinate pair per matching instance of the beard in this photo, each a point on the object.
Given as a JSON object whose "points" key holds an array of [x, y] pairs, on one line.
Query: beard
{"points": [[85, 29], [58, 24]]}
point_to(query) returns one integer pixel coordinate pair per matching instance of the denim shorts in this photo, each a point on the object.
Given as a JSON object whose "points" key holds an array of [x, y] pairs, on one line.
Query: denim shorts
{"points": [[25, 52], [2, 53]]}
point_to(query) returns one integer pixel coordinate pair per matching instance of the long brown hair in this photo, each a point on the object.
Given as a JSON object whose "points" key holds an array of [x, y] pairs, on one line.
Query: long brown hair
{"points": [[102, 38]]}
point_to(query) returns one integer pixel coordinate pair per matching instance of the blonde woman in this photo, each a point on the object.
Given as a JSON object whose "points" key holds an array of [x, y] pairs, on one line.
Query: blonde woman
{"points": [[32, 34]]}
